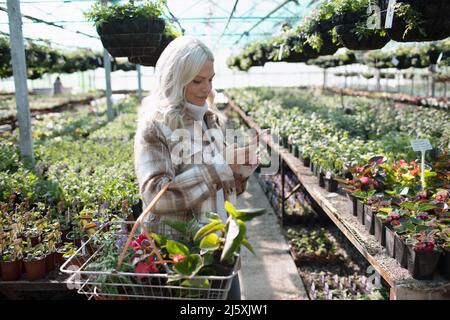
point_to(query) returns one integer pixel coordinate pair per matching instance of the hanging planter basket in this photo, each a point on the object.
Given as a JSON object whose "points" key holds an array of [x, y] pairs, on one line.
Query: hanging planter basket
{"points": [[435, 24], [350, 39], [150, 60], [137, 37], [328, 47]]}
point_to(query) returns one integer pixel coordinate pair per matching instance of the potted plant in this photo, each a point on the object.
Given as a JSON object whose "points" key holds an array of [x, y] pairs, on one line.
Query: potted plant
{"points": [[351, 26], [34, 260], [444, 262], [423, 255], [11, 262], [129, 30], [419, 20]]}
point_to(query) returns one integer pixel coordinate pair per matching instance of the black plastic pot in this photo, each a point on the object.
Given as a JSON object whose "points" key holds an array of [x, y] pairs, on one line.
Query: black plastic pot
{"points": [[380, 231], [331, 185], [401, 251], [350, 39], [369, 220], [296, 151], [137, 37], [311, 166], [306, 161], [390, 241], [444, 263], [422, 264], [321, 179], [360, 211], [352, 200]]}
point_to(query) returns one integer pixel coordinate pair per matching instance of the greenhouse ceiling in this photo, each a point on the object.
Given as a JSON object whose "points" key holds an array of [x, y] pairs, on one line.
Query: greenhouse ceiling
{"points": [[219, 23]]}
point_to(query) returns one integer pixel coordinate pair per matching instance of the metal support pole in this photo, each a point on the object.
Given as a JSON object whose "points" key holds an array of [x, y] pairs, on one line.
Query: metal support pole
{"points": [[20, 79], [139, 75], [109, 103], [283, 201]]}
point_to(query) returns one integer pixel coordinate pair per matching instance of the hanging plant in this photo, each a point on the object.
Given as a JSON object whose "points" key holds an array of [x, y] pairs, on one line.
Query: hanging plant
{"points": [[351, 25], [419, 20], [170, 33], [128, 30]]}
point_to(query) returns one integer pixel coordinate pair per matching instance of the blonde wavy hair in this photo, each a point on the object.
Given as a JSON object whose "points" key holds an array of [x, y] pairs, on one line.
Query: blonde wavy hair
{"points": [[177, 66]]}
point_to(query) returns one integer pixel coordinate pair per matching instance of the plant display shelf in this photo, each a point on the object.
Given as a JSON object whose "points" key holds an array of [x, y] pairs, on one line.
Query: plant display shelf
{"points": [[337, 208], [53, 281]]}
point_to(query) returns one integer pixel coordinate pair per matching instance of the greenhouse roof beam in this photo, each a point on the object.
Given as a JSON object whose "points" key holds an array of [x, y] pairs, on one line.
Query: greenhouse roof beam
{"points": [[37, 20], [246, 33]]}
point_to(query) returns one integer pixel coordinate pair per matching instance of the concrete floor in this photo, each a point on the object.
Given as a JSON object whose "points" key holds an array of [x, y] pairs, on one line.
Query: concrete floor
{"points": [[272, 274]]}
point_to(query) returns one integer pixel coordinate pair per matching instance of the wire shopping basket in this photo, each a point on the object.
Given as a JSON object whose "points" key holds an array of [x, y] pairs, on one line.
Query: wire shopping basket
{"points": [[84, 275]]}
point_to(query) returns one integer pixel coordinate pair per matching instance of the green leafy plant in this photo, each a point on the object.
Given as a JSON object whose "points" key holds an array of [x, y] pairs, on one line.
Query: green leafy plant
{"points": [[120, 12]]}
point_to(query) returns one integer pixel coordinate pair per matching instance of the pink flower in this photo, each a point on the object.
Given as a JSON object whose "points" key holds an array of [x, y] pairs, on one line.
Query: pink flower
{"points": [[359, 169], [380, 161], [178, 258], [403, 164], [442, 196], [364, 180]]}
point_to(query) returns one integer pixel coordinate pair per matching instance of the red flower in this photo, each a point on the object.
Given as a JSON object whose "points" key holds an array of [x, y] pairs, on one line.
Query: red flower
{"points": [[395, 167], [178, 258], [143, 267]]}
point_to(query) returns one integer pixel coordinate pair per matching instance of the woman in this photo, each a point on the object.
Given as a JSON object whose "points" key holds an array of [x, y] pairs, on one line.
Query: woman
{"points": [[177, 130]]}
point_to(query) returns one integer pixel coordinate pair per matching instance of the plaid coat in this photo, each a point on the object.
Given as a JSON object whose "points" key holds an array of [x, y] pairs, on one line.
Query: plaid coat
{"points": [[193, 187]]}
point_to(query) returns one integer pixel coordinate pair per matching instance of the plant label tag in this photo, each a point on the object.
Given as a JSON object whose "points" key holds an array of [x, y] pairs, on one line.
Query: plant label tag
{"points": [[280, 53], [369, 8], [404, 191], [395, 61], [421, 145], [440, 58], [390, 14], [328, 175]]}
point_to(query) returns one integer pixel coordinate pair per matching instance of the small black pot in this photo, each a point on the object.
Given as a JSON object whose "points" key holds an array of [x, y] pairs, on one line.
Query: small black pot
{"points": [[401, 251], [444, 264], [353, 203], [331, 185], [296, 150], [422, 264], [360, 211], [311, 166], [321, 179], [390, 241], [380, 231], [369, 220], [306, 161]]}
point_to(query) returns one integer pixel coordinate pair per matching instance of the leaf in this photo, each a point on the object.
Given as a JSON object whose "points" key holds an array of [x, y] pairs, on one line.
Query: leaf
{"points": [[385, 210], [426, 206], [213, 216], [189, 266], [178, 225], [174, 247], [230, 209], [207, 229], [210, 242], [235, 235], [248, 246], [409, 205], [195, 283], [250, 213]]}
